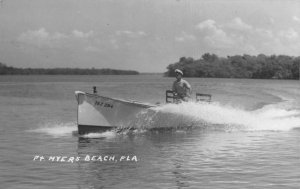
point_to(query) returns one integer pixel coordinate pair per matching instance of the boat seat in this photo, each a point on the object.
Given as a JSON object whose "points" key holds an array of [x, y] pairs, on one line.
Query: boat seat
{"points": [[169, 96]]}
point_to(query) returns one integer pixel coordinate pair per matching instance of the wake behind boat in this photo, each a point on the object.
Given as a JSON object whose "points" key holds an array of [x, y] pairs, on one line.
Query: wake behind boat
{"points": [[97, 113]]}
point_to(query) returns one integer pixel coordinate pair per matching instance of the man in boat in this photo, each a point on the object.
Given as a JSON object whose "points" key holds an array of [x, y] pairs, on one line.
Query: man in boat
{"points": [[181, 88]]}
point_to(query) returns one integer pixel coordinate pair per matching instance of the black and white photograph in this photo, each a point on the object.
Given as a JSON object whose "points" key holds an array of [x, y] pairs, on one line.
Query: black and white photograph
{"points": [[149, 94]]}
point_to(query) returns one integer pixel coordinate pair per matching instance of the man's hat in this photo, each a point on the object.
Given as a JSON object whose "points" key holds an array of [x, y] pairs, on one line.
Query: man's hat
{"points": [[178, 71]]}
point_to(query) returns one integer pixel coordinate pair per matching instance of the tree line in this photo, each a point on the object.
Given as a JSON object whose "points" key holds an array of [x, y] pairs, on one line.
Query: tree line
{"points": [[9, 70], [238, 66]]}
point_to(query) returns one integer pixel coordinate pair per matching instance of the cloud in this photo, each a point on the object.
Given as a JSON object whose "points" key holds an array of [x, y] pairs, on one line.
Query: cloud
{"points": [[207, 24], [290, 34], [296, 18], [185, 37], [277, 42], [264, 33], [214, 35], [219, 39], [92, 49], [41, 37], [80, 34], [126, 39], [141, 33], [238, 24], [114, 43], [236, 37], [79, 40], [130, 34]]}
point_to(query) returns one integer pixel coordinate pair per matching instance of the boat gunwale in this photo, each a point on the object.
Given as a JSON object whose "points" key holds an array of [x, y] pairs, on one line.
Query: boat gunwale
{"points": [[145, 105]]}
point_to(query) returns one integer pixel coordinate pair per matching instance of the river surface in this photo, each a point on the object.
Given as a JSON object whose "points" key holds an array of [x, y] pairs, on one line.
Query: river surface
{"points": [[247, 137]]}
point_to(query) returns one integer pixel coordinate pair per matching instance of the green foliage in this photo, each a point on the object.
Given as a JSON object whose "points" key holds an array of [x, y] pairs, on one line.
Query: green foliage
{"points": [[5, 70], [238, 66]]}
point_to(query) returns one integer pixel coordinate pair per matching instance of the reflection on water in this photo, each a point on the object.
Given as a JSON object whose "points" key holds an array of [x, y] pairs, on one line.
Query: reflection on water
{"points": [[186, 158]]}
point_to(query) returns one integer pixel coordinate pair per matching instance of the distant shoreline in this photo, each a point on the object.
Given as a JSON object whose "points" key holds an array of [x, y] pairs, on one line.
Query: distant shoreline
{"points": [[9, 70], [208, 66]]}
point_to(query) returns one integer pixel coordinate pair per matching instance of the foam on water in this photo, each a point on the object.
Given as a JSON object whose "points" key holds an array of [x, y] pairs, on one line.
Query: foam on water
{"points": [[106, 135], [56, 129], [67, 129], [271, 117]]}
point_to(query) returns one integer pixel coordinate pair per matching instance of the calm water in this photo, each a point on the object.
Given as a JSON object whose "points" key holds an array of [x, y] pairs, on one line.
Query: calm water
{"points": [[249, 137]]}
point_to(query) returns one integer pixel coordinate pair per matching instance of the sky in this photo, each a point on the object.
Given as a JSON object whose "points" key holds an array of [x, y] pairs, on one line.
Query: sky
{"points": [[142, 35]]}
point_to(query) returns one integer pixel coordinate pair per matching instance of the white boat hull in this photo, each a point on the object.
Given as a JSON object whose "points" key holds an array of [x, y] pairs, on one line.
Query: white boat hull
{"points": [[97, 113]]}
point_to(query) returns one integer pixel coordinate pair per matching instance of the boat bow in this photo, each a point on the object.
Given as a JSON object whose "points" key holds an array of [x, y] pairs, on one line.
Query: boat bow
{"points": [[98, 113]]}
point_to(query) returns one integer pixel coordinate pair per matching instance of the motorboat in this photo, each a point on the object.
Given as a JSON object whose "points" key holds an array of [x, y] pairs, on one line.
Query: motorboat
{"points": [[96, 113]]}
